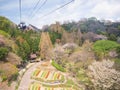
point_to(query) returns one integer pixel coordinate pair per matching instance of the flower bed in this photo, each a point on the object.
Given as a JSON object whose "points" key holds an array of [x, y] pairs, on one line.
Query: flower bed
{"points": [[36, 86], [47, 75]]}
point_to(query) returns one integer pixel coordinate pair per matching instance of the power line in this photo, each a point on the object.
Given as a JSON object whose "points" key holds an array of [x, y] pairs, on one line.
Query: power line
{"points": [[35, 7], [40, 7], [36, 4], [57, 8], [20, 9]]}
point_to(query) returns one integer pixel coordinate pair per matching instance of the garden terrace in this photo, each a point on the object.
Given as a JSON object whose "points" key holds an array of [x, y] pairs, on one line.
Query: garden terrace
{"points": [[36, 86], [47, 75]]}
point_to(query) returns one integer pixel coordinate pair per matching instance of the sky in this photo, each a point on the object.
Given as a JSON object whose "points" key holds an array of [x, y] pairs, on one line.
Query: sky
{"points": [[78, 9]]}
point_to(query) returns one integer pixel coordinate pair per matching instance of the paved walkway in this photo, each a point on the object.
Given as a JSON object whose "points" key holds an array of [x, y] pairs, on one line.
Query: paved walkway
{"points": [[26, 79]]}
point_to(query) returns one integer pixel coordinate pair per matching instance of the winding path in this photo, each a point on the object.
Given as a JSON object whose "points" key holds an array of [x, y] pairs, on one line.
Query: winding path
{"points": [[26, 79]]}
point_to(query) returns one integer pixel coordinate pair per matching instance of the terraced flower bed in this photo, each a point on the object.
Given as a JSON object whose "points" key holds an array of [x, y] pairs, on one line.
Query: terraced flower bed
{"points": [[47, 75], [36, 86]]}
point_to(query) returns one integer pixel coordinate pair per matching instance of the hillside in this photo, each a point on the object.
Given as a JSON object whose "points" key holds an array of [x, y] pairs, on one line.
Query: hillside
{"points": [[82, 55], [15, 49], [9, 60]]}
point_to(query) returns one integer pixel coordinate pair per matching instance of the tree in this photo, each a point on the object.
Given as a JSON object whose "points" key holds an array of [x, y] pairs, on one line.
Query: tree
{"points": [[83, 28], [112, 37], [103, 76], [45, 46], [24, 48]]}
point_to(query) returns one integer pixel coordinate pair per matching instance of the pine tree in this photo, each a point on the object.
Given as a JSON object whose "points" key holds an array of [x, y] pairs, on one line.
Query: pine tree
{"points": [[45, 46]]}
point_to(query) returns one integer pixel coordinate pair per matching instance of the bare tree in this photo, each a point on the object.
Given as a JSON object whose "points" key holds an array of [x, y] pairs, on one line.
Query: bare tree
{"points": [[45, 46]]}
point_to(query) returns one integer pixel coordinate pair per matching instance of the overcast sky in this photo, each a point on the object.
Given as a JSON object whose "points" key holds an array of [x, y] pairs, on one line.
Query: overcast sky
{"points": [[102, 9]]}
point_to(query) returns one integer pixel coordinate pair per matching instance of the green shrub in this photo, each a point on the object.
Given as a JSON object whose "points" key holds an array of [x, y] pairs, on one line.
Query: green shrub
{"points": [[58, 67], [105, 45], [14, 77], [3, 52], [102, 47], [4, 78], [4, 33]]}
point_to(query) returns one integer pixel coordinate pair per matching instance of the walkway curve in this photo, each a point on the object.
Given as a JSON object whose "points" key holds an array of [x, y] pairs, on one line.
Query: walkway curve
{"points": [[26, 79]]}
